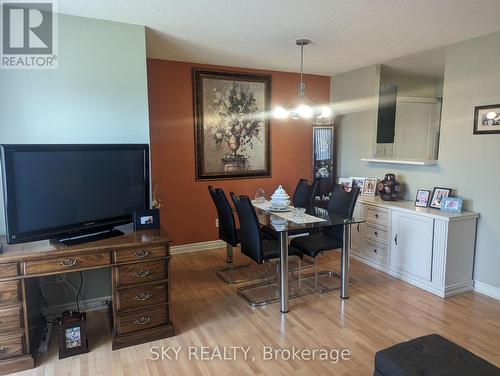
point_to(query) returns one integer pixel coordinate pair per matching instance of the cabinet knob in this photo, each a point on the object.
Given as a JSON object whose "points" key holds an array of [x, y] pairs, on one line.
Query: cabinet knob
{"points": [[142, 297], [376, 216], [68, 263], [3, 349], [142, 273], [142, 253], [376, 233], [375, 250], [396, 239], [143, 320]]}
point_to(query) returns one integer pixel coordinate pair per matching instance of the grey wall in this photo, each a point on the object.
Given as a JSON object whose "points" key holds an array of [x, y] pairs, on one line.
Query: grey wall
{"points": [[467, 163], [97, 95]]}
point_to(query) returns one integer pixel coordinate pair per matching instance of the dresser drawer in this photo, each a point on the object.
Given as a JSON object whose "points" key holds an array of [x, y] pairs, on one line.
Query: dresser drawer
{"points": [[11, 345], [378, 215], [142, 272], [377, 251], [63, 264], [139, 254], [141, 296], [376, 233], [8, 270], [140, 320], [10, 319], [9, 293]]}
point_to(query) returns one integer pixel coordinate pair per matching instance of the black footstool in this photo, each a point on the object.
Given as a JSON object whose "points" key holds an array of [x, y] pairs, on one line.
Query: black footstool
{"points": [[431, 355]]}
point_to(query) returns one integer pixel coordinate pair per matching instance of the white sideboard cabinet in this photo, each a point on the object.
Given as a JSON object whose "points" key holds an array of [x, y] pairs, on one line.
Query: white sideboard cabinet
{"points": [[428, 248]]}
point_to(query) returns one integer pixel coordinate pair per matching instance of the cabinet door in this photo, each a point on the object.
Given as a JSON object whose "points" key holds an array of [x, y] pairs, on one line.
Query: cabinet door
{"points": [[412, 244], [356, 229]]}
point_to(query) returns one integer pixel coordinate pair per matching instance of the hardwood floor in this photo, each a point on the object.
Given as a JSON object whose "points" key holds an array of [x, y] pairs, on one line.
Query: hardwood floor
{"points": [[382, 311]]}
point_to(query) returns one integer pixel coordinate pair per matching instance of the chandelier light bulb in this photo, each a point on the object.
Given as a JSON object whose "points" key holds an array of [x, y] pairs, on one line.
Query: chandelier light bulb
{"points": [[305, 111], [325, 112], [280, 113]]}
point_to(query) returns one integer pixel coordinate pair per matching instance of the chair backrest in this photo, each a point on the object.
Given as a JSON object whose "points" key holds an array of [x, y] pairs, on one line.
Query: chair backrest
{"points": [[304, 192], [227, 224], [343, 202], [250, 236]]}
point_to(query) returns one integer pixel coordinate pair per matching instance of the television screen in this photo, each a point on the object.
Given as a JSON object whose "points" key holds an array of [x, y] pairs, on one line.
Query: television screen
{"points": [[56, 190]]}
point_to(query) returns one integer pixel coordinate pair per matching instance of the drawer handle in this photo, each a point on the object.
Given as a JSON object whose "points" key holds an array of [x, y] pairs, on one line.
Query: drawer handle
{"points": [[376, 216], [142, 273], [68, 263], [396, 239], [376, 233], [143, 321], [358, 227], [142, 253], [375, 250], [3, 349], [143, 297]]}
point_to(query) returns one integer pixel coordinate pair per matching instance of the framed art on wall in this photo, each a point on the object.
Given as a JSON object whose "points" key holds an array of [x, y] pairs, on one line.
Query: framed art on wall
{"points": [[437, 196], [232, 126], [487, 119]]}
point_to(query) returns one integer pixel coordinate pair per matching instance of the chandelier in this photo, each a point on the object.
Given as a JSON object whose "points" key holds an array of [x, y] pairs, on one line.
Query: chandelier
{"points": [[302, 107]]}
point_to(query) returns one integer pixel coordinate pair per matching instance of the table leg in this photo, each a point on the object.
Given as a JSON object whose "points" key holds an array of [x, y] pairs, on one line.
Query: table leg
{"points": [[283, 243], [344, 267]]}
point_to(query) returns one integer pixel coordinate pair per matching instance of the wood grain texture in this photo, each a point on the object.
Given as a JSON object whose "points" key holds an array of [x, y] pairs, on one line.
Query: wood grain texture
{"points": [[382, 311], [11, 345], [140, 320], [21, 363], [67, 264], [8, 270], [10, 294], [11, 319], [139, 254], [141, 272]]}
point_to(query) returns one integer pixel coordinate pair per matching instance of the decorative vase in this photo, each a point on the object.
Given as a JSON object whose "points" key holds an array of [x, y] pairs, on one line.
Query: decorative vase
{"points": [[389, 188], [234, 144]]}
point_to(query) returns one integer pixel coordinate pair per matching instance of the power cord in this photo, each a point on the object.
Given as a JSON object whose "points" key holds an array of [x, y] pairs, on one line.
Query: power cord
{"points": [[79, 291]]}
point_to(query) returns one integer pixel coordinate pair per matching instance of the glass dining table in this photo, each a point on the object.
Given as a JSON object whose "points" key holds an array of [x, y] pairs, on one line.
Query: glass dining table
{"points": [[281, 227]]}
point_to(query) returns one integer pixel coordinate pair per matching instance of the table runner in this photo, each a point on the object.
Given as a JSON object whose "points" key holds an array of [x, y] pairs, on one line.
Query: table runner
{"points": [[289, 216]]}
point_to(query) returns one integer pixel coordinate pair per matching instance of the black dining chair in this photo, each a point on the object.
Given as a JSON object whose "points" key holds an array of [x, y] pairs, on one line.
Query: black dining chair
{"points": [[260, 251], [304, 192], [330, 238], [229, 233]]}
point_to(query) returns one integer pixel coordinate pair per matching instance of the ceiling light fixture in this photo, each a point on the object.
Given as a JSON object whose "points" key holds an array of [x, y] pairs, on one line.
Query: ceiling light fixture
{"points": [[302, 107]]}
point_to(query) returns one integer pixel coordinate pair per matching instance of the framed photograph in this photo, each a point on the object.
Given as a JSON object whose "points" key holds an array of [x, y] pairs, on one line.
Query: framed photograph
{"points": [[422, 198], [369, 187], [451, 205], [487, 119], [347, 183], [437, 196], [232, 126], [72, 334], [146, 219], [358, 182]]}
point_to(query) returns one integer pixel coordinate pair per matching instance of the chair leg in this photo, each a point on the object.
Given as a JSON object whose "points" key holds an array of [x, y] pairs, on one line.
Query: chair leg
{"points": [[229, 274], [245, 292]]}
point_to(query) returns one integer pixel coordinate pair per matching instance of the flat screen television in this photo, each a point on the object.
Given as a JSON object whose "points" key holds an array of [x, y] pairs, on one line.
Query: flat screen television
{"points": [[66, 191]]}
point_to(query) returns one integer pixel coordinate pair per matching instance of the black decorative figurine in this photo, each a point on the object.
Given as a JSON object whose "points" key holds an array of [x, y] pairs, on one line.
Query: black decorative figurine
{"points": [[389, 188]]}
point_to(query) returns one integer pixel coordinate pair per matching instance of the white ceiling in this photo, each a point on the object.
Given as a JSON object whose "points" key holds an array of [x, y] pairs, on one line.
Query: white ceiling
{"points": [[346, 34]]}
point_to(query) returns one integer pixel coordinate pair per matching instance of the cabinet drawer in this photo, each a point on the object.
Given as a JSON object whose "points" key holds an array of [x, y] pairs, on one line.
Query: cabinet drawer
{"points": [[378, 215], [142, 272], [11, 345], [9, 293], [63, 264], [8, 270], [142, 254], [377, 251], [136, 321], [10, 319], [141, 296], [377, 234]]}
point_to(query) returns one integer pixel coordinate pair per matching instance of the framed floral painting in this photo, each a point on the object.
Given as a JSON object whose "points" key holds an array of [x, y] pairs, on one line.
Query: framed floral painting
{"points": [[232, 125]]}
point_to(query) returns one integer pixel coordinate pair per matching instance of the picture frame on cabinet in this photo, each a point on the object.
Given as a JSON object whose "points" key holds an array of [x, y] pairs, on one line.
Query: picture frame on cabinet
{"points": [[437, 196], [452, 205], [347, 183], [422, 198], [369, 187], [358, 182]]}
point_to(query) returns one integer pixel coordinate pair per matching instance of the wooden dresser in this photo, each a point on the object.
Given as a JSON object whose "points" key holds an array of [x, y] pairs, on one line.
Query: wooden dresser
{"points": [[140, 281]]}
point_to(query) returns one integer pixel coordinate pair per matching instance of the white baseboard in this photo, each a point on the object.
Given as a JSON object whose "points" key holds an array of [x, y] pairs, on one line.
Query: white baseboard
{"points": [[195, 247], [85, 305], [485, 289]]}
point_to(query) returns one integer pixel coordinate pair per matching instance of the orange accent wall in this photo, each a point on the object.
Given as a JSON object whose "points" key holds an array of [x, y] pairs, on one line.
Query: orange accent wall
{"points": [[188, 214]]}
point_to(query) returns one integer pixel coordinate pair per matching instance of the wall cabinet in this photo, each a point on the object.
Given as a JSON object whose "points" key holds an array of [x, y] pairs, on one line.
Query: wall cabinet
{"points": [[425, 247]]}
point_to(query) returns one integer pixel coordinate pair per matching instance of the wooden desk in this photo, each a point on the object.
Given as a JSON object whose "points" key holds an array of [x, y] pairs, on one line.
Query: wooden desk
{"points": [[140, 281]]}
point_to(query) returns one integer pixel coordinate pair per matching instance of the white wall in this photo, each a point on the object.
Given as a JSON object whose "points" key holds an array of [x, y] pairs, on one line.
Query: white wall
{"points": [[97, 95], [468, 163]]}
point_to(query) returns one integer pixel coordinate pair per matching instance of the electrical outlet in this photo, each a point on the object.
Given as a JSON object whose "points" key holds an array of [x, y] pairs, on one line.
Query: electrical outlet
{"points": [[216, 222]]}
